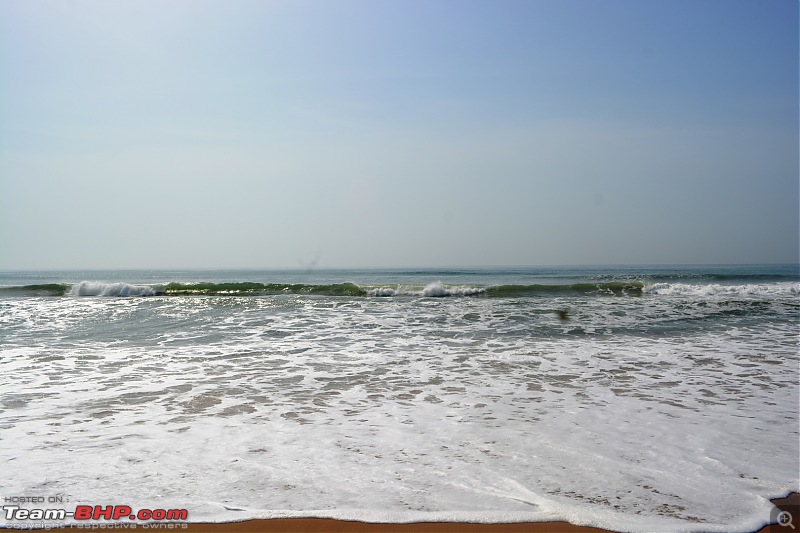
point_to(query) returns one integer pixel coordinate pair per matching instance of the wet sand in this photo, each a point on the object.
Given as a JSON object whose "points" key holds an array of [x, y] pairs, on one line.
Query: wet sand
{"points": [[790, 504], [318, 525]]}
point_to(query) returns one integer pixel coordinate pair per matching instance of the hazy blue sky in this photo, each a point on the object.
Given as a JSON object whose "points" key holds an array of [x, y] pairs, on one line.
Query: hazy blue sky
{"points": [[198, 133]]}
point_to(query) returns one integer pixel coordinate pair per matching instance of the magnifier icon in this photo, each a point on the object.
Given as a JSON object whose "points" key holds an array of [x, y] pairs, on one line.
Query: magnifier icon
{"points": [[785, 519]]}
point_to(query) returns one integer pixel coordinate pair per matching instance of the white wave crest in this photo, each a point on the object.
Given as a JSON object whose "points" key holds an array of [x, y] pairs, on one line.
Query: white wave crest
{"points": [[715, 289], [96, 288], [432, 290], [438, 290], [384, 291]]}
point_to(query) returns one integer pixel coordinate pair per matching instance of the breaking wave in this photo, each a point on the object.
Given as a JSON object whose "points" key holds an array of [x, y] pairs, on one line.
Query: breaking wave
{"points": [[256, 289], [431, 290], [94, 288], [715, 289]]}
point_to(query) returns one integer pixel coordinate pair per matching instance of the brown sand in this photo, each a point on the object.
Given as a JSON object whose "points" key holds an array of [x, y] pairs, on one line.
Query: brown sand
{"points": [[321, 525], [790, 504]]}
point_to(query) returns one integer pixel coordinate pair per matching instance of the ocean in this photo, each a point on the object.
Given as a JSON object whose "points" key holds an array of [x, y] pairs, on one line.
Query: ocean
{"points": [[629, 398]]}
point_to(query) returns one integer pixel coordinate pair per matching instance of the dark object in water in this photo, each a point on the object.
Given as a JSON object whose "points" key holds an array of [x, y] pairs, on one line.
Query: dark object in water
{"points": [[563, 315]]}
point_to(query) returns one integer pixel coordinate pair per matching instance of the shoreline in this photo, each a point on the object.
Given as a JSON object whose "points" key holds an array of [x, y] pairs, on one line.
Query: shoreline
{"points": [[790, 504], [327, 525]]}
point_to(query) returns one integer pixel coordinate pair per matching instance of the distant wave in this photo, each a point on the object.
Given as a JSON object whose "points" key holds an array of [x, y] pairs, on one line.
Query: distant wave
{"points": [[432, 290], [248, 289], [611, 288], [659, 277], [338, 289], [44, 289]]}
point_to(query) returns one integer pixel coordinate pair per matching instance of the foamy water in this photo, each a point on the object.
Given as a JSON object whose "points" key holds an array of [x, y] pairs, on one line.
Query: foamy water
{"points": [[421, 399]]}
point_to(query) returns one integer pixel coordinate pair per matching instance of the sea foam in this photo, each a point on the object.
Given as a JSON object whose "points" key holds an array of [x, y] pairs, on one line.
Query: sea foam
{"points": [[716, 289], [673, 411]]}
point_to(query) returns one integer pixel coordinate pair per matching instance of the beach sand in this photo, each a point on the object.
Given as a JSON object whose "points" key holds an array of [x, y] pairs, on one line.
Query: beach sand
{"points": [[316, 525], [790, 504]]}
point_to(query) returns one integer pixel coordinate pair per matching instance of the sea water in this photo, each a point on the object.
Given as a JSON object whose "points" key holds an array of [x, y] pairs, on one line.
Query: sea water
{"points": [[633, 399]]}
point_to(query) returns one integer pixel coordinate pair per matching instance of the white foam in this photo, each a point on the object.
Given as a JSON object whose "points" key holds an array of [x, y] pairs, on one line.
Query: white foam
{"points": [[432, 290], [438, 290], [404, 409], [95, 288], [384, 291], [716, 289]]}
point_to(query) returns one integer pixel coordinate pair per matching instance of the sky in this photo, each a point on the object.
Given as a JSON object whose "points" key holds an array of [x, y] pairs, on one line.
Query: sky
{"points": [[389, 133]]}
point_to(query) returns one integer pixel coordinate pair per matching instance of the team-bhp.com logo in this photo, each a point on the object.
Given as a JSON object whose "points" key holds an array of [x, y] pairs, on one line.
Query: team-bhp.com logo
{"points": [[95, 512]]}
